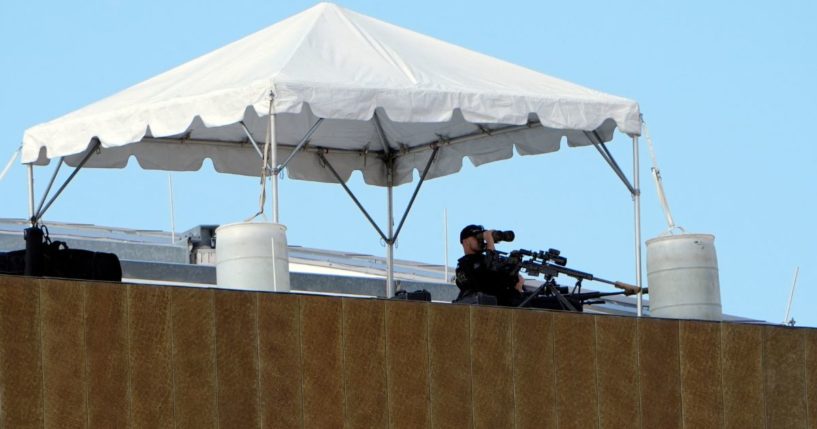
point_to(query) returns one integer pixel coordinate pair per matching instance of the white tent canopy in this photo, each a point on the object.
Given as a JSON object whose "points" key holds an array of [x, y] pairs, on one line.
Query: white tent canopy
{"points": [[354, 71], [343, 92]]}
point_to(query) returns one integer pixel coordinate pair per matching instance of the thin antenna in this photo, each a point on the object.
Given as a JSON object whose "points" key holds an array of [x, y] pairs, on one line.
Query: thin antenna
{"points": [[172, 209], [445, 241], [788, 320]]}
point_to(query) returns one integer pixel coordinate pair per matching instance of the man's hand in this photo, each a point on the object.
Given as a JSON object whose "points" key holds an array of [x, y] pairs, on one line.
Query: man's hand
{"points": [[488, 236], [520, 284]]}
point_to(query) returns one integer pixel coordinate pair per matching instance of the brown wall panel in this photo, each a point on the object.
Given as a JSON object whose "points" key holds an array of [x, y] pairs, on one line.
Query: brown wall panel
{"points": [[237, 358], [407, 364], [810, 338], [700, 345], [21, 375], [106, 355], [151, 370], [617, 360], [106, 345], [492, 367], [742, 366], [575, 354], [450, 353], [660, 373], [533, 369], [364, 363], [279, 328], [784, 370], [63, 328], [194, 358], [322, 351]]}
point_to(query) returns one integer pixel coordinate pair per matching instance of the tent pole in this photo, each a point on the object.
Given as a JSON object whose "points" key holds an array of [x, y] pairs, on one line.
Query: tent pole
{"points": [[390, 202], [390, 241], [393, 234], [637, 210], [273, 163], [31, 194], [635, 192]]}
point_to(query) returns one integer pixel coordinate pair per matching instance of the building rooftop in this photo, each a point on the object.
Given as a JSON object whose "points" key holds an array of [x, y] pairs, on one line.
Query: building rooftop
{"points": [[188, 259]]}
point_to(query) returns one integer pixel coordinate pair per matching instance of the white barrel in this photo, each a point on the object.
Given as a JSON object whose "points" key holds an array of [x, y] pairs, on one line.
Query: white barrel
{"points": [[252, 256], [682, 274]]}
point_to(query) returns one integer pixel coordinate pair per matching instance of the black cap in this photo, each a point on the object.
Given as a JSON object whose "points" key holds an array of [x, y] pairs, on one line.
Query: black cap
{"points": [[470, 231]]}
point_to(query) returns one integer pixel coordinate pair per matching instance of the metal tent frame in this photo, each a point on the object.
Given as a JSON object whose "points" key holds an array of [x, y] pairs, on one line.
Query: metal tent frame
{"points": [[389, 156]]}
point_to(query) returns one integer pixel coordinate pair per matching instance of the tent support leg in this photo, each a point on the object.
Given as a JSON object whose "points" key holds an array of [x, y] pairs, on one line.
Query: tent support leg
{"points": [[635, 192], [393, 235], [390, 202], [390, 241], [30, 170], [273, 160], [391, 238], [37, 216], [278, 168], [637, 210]]}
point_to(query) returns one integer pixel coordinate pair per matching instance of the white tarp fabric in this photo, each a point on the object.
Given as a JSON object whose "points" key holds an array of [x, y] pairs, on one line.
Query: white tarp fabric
{"points": [[371, 81]]}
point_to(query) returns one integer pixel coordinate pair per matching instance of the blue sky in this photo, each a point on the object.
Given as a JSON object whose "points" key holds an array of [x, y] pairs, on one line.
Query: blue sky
{"points": [[728, 92]]}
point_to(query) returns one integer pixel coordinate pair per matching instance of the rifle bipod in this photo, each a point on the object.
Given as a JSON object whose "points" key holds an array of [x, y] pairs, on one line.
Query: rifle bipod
{"points": [[548, 295], [552, 287]]}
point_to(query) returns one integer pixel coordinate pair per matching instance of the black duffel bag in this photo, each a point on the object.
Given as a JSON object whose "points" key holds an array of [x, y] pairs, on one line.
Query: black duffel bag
{"points": [[417, 295], [13, 262], [60, 261], [57, 260]]}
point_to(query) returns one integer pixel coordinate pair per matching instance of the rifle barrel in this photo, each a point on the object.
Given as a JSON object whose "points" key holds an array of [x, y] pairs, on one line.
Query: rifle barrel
{"points": [[547, 268], [570, 272]]}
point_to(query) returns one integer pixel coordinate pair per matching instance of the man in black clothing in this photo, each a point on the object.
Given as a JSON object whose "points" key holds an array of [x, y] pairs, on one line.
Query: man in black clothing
{"points": [[477, 271]]}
